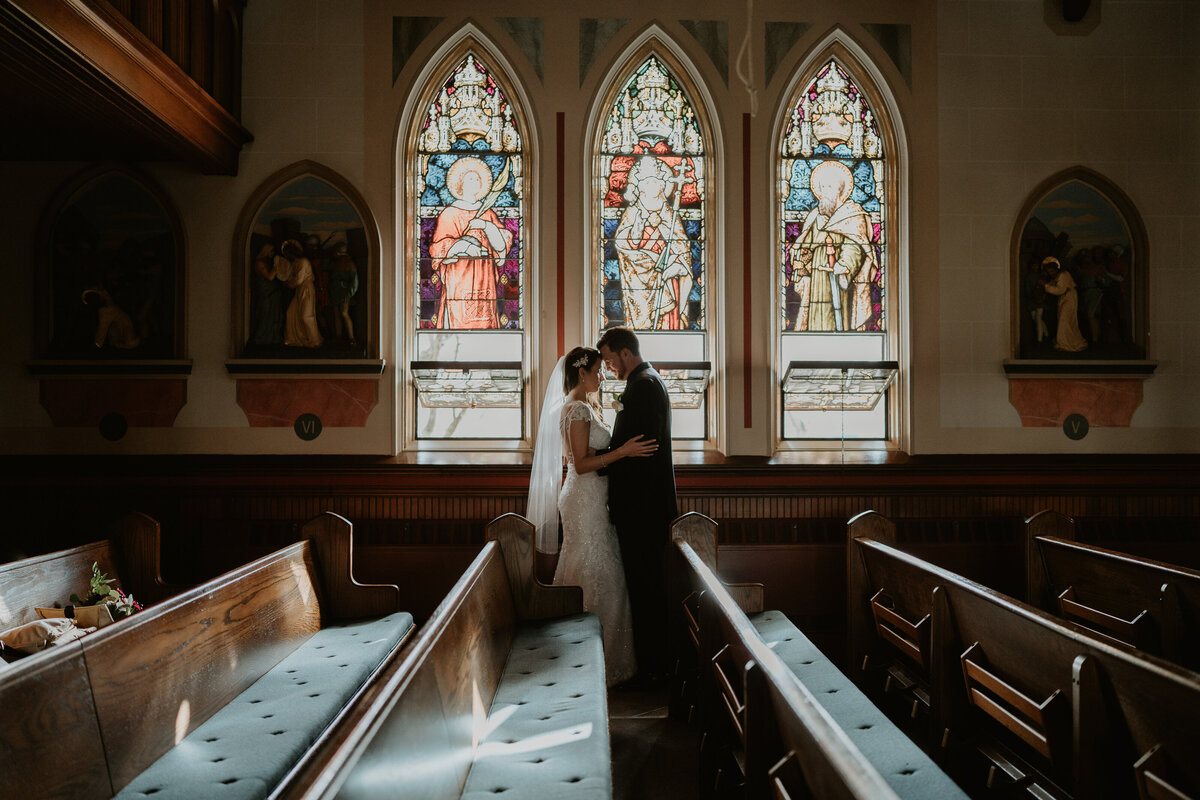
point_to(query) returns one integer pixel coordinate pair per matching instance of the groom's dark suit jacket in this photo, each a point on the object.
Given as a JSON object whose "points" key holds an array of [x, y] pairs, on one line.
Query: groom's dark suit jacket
{"points": [[643, 489]]}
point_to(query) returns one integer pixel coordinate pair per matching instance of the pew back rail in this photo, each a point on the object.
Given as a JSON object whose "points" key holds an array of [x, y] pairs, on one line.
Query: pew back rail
{"points": [[130, 556]]}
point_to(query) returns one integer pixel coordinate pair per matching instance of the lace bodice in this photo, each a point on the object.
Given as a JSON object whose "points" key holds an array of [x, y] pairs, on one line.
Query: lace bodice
{"points": [[598, 435]]}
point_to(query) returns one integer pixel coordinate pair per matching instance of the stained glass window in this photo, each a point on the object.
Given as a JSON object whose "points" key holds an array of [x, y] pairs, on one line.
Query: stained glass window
{"points": [[832, 189], [833, 254], [470, 226], [467, 163], [651, 165]]}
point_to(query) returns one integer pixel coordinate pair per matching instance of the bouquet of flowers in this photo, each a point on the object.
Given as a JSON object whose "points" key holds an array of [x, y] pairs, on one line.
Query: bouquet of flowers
{"points": [[102, 592]]}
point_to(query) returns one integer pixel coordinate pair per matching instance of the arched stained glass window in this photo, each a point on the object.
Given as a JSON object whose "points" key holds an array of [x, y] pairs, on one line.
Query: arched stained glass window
{"points": [[652, 233], [470, 225], [469, 218], [832, 169], [652, 254], [835, 217]]}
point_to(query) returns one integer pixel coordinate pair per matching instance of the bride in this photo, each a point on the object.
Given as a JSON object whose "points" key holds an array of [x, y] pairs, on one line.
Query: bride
{"points": [[591, 557]]}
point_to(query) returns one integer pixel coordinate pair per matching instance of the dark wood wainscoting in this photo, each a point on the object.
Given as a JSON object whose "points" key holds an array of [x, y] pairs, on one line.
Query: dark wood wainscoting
{"points": [[783, 525]]}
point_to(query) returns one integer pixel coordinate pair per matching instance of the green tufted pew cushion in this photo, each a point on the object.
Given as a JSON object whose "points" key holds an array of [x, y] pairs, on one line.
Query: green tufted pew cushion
{"points": [[246, 748], [547, 733], [904, 765]]}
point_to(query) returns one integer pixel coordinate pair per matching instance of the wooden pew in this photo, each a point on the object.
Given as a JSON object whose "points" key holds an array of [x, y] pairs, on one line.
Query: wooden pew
{"points": [[130, 555], [1135, 601], [246, 670], [501, 692], [888, 626], [776, 714], [1025, 705], [684, 611]]}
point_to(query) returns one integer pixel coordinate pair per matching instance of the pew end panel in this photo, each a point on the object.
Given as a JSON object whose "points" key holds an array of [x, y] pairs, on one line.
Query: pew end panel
{"points": [[332, 543], [50, 744], [533, 599], [700, 532], [872, 525], [138, 538]]}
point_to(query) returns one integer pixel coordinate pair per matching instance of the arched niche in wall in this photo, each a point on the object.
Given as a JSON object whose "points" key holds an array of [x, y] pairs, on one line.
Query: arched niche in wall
{"points": [[112, 251], [1097, 310], [1080, 275], [110, 312], [306, 270], [305, 303]]}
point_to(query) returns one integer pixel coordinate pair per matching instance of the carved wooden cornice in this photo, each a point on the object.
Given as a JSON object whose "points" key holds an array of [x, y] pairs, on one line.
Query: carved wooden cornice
{"points": [[94, 68]]}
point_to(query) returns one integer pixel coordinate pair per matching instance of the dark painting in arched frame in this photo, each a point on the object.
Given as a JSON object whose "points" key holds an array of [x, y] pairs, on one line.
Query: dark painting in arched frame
{"points": [[305, 272], [1080, 224], [113, 251]]}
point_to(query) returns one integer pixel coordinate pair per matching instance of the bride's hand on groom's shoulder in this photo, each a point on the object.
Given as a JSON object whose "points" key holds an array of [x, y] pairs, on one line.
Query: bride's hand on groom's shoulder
{"points": [[639, 447]]}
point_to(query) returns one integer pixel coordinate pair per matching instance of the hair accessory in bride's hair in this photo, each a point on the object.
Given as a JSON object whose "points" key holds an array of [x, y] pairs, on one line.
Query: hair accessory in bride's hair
{"points": [[580, 362]]}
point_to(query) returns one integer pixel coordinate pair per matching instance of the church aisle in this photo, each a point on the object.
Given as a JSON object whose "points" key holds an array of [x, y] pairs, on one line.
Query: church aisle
{"points": [[653, 755]]}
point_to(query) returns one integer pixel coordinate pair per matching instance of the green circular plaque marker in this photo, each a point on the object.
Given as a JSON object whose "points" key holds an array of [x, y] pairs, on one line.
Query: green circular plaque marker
{"points": [[113, 426], [308, 426], [1075, 426]]}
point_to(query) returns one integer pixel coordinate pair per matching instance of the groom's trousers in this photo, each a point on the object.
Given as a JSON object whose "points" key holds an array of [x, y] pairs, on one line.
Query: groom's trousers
{"points": [[643, 555]]}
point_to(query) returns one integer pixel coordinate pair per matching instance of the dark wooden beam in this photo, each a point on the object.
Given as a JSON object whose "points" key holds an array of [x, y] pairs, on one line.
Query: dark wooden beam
{"points": [[84, 79]]}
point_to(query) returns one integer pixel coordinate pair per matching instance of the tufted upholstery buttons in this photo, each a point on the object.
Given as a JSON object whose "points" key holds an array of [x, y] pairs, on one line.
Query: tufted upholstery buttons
{"points": [[551, 714], [899, 760], [241, 752]]}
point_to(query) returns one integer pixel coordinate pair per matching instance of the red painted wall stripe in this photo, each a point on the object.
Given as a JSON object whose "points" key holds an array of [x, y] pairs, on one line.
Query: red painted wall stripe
{"points": [[747, 282], [560, 253]]}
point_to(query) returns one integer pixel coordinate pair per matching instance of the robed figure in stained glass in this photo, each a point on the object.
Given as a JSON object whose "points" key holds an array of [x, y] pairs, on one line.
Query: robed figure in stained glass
{"points": [[469, 245], [653, 250], [831, 185], [470, 184], [652, 234], [833, 258]]}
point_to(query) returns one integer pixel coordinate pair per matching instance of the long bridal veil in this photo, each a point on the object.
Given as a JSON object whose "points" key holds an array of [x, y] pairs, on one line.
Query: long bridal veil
{"points": [[545, 477]]}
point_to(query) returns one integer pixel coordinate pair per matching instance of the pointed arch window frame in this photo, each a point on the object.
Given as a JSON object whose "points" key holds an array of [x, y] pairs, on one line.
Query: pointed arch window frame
{"points": [[427, 371], [693, 375], [884, 99]]}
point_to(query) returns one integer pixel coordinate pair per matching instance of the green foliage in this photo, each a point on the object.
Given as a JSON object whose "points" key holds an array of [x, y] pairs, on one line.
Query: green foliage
{"points": [[101, 590]]}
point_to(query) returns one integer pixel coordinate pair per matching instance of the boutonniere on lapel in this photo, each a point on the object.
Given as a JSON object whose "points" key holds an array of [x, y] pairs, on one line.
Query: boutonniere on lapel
{"points": [[617, 404]]}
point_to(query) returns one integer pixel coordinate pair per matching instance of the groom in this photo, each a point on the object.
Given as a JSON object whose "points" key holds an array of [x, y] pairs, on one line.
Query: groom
{"points": [[641, 498]]}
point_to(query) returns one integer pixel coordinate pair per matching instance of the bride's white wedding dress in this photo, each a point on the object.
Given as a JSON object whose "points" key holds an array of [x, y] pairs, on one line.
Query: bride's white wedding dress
{"points": [[590, 556]]}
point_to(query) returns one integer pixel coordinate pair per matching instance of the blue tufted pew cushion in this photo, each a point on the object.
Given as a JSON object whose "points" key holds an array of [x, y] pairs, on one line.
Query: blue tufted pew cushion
{"points": [[547, 729], [904, 765], [245, 749]]}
